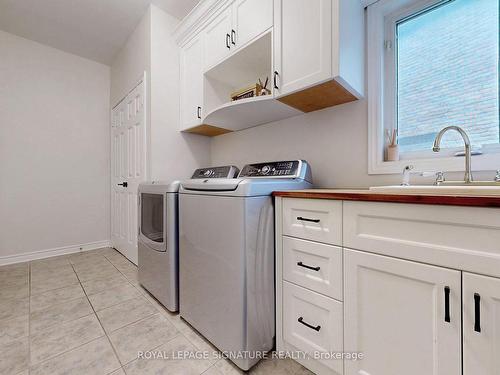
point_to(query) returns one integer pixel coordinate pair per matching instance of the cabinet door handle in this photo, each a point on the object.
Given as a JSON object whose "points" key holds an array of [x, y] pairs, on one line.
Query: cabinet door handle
{"points": [[198, 112], [300, 218], [227, 41], [300, 264], [477, 312], [233, 36], [301, 320], [447, 304], [275, 80]]}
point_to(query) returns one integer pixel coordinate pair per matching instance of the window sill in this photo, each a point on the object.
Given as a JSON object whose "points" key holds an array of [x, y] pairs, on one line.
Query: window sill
{"points": [[487, 162]]}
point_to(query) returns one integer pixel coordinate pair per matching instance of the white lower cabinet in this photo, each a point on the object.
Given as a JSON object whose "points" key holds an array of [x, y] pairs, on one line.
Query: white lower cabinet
{"points": [[312, 323], [418, 287], [481, 309], [405, 317]]}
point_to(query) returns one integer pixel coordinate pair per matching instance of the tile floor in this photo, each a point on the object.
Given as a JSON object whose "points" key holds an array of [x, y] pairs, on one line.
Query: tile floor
{"points": [[87, 314]]}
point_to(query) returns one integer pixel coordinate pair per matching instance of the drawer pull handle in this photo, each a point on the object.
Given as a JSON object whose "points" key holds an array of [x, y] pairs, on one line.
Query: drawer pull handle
{"points": [[301, 320], [477, 312], [447, 304], [300, 218], [308, 267]]}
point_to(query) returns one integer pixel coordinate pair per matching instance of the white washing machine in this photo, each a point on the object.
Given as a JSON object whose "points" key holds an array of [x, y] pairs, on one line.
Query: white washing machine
{"points": [[226, 256]]}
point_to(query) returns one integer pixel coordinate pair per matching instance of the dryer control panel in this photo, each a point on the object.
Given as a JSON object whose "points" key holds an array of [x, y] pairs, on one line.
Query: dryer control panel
{"points": [[227, 171], [288, 169]]}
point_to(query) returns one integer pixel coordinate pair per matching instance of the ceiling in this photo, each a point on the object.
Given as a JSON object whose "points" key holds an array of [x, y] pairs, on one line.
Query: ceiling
{"points": [[94, 29]]}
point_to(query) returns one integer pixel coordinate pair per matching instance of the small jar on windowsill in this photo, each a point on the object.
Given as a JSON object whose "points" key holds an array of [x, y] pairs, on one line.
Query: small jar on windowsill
{"points": [[393, 153]]}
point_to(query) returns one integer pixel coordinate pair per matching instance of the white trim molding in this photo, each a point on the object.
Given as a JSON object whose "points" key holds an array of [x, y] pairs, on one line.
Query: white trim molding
{"points": [[48, 253], [196, 20], [379, 14]]}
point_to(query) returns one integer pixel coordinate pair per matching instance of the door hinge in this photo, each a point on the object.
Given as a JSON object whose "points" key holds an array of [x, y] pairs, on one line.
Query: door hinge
{"points": [[388, 45]]}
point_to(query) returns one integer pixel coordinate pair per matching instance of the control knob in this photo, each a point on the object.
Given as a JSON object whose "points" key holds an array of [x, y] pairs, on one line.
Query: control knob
{"points": [[265, 169]]}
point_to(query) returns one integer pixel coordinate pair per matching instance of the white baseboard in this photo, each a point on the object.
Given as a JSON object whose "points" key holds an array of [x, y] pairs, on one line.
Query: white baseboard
{"points": [[41, 254]]}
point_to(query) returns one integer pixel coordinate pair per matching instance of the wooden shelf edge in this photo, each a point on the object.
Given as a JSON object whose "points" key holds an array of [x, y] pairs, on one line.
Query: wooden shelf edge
{"points": [[324, 95], [207, 130]]}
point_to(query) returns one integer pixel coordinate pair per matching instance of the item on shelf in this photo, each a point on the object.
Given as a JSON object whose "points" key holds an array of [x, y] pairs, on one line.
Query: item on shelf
{"points": [[257, 89], [247, 92], [264, 90], [392, 147]]}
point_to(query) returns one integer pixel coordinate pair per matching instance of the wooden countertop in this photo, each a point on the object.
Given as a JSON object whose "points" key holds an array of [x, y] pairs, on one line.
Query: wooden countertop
{"points": [[374, 196]]}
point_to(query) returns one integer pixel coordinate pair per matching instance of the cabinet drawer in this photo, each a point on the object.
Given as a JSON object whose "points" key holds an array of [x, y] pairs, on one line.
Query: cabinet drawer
{"points": [[313, 265], [313, 323], [313, 219], [464, 238]]}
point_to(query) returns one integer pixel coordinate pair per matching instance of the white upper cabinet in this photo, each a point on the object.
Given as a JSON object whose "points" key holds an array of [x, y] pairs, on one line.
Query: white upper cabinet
{"points": [[318, 52], [218, 38], [481, 309], [250, 18], [404, 316], [308, 53], [235, 26], [192, 83], [303, 43]]}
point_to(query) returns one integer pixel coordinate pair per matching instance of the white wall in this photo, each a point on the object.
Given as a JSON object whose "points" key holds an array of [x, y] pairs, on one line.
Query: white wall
{"points": [[54, 149], [174, 155], [334, 141], [151, 48], [132, 60]]}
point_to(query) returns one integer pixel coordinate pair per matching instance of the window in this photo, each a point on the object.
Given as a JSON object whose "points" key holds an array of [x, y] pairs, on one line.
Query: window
{"points": [[433, 64]]}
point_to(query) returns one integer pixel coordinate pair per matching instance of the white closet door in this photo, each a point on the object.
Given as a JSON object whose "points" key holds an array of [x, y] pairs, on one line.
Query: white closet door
{"points": [[481, 309], [128, 159]]}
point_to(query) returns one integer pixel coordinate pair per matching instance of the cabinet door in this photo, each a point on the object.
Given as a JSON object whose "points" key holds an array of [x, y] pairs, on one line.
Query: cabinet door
{"points": [[303, 43], [192, 83], [218, 38], [396, 315], [481, 309], [250, 18]]}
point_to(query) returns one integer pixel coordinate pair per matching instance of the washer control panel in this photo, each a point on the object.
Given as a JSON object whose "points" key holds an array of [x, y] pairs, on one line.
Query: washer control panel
{"points": [[227, 171], [289, 169]]}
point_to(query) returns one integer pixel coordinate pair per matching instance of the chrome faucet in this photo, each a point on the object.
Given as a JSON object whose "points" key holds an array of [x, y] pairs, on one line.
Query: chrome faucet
{"points": [[436, 148], [406, 175]]}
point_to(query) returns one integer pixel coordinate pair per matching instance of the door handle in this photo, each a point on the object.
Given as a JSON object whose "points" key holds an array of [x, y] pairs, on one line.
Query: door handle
{"points": [[275, 81], [198, 113], [124, 184], [477, 312], [301, 320], [300, 218], [447, 304], [233, 36], [227, 41], [300, 264]]}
